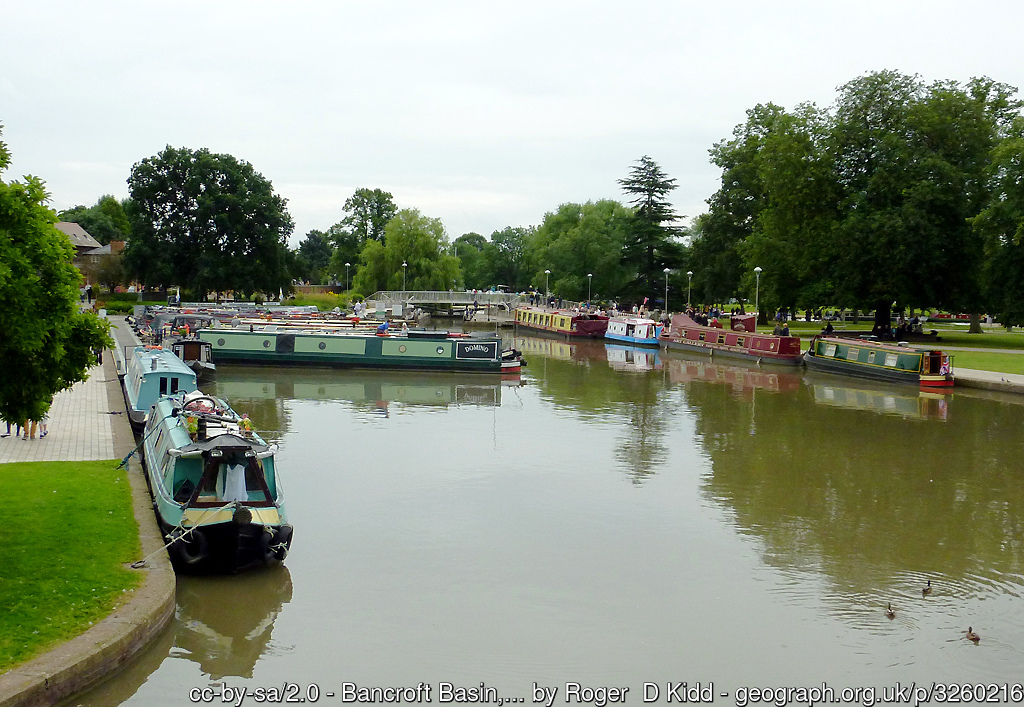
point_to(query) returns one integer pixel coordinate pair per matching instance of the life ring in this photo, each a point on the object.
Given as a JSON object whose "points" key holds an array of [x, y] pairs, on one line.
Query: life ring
{"points": [[201, 404], [190, 547]]}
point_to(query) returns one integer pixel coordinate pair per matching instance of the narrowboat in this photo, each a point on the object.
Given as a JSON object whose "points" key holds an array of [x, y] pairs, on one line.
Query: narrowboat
{"points": [[865, 358], [740, 341], [572, 325], [638, 331], [194, 353], [152, 373], [410, 350], [216, 490]]}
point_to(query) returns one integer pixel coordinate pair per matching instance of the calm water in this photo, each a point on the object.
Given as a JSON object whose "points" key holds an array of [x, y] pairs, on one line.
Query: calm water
{"points": [[614, 517]]}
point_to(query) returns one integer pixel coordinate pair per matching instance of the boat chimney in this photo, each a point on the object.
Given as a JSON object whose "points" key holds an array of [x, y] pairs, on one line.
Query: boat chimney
{"points": [[201, 430], [153, 364]]}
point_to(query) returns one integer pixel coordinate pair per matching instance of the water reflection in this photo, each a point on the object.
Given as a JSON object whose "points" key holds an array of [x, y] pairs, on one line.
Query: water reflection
{"points": [[225, 623], [888, 400], [632, 358]]}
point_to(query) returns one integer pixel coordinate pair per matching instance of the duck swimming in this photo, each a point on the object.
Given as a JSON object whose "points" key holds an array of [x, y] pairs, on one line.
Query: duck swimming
{"points": [[971, 635], [927, 589], [889, 611]]}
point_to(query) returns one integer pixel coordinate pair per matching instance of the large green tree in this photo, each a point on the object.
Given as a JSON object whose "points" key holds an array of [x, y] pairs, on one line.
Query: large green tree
{"points": [[313, 257], [208, 222], [475, 254], [651, 243], [47, 343], [582, 246], [508, 256], [416, 240], [367, 213]]}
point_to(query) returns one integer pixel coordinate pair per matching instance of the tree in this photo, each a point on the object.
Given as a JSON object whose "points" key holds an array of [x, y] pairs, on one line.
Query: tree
{"points": [[105, 221], [208, 222], [911, 162], [419, 242], [313, 257], [47, 344], [508, 256], [578, 240], [475, 254], [368, 213], [649, 247]]}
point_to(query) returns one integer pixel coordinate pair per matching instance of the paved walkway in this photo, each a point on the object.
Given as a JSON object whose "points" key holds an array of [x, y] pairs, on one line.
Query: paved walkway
{"points": [[79, 428]]}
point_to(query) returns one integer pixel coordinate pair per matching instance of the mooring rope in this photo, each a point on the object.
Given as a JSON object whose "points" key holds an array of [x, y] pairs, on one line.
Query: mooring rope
{"points": [[138, 564]]}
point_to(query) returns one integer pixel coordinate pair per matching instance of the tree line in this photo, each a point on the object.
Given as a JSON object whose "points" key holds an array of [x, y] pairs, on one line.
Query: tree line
{"points": [[899, 194]]}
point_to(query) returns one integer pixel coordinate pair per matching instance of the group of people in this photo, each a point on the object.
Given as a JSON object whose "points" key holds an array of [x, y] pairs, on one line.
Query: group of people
{"points": [[27, 429]]}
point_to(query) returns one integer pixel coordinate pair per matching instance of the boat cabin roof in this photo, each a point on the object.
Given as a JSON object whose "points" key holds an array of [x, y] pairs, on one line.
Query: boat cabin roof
{"points": [[160, 360]]}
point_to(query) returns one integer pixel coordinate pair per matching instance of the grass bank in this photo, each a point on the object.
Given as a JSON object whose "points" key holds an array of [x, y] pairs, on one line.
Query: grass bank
{"points": [[67, 536], [994, 338]]}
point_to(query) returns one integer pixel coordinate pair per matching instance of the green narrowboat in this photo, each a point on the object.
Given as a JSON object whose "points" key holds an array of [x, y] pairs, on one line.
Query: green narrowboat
{"points": [[215, 486], [410, 350], [864, 358]]}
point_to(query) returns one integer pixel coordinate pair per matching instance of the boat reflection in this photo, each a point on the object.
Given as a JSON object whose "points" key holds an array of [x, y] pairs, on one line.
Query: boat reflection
{"points": [[632, 358], [739, 377], [886, 400], [578, 350], [374, 388], [224, 624]]}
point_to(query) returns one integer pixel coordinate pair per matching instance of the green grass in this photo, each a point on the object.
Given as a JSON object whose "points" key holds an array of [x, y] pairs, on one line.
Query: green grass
{"points": [[325, 302], [67, 532], [986, 361], [958, 336]]}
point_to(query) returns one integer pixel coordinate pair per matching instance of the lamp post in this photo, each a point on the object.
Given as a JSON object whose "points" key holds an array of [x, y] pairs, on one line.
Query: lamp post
{"points": [[547, 290], [666, 289], [757, 294], [346, 276], [404, 265], [590, 280], [689, 281]]}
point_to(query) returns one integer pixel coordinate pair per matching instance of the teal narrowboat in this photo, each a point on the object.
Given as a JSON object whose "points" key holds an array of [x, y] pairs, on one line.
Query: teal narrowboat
{"points": [[865, 358], [410, 350], [153, 372], [215, 486]]}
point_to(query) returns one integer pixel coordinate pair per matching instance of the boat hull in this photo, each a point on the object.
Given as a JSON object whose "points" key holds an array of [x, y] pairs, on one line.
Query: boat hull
{"points": [[687, 335], [873, 360], [564, 325]]}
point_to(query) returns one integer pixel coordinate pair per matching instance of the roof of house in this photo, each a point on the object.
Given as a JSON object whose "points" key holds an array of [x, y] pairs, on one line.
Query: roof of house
{"points": [[80, 238]]}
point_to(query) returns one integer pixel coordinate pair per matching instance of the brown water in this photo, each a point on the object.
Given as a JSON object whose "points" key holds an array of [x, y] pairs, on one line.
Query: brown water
{"points": [[614, 517]]}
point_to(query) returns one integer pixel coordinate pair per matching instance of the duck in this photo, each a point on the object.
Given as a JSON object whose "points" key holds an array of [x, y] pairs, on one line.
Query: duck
{"points": [[927, 589], [889, 611], [971, 635]]}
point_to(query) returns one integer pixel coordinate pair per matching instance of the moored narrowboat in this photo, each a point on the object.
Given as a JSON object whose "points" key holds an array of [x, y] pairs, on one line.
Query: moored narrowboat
{"points": [[638, 331], [557, 322], [153, 372], [684, 334], [215, 486], [864, 358], [409, 350]]}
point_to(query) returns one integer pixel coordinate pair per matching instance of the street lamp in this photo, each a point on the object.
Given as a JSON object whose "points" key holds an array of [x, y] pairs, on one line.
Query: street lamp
{"points": [[689, 280], [666, 290], [547, 290], [346, 276], [590, 280], [404, 265], [757, 293]]}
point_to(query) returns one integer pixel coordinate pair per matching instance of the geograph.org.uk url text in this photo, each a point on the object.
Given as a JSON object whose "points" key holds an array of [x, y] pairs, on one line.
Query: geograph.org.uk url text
{"points": [[899, 694]]}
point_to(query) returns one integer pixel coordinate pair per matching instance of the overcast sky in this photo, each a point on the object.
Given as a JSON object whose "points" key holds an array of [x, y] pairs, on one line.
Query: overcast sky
{"points": [[482, 114]]}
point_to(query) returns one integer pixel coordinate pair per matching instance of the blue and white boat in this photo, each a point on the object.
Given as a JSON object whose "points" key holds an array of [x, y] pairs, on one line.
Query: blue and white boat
{"points": [[215, 486], [638, 331], [153, 372]]}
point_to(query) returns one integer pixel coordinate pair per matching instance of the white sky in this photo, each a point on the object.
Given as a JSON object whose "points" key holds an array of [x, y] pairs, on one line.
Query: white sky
{"points": [[482, 114]]}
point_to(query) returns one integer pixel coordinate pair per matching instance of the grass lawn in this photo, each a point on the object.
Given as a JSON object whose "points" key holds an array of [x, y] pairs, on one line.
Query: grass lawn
{"points": [[950, 335], [67, 535], [981, 360]]}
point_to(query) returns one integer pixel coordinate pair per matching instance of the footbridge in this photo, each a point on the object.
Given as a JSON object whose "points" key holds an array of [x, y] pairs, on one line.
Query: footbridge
{"points": [[448, 300]]}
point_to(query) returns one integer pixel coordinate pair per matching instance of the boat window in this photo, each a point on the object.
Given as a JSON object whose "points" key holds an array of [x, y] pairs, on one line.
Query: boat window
{"points": [[174, 386], [830, 350], [702, 335], [852, 354], [741, 341], [871, 357], [890, 359], [721, 338], [163, 385]]}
